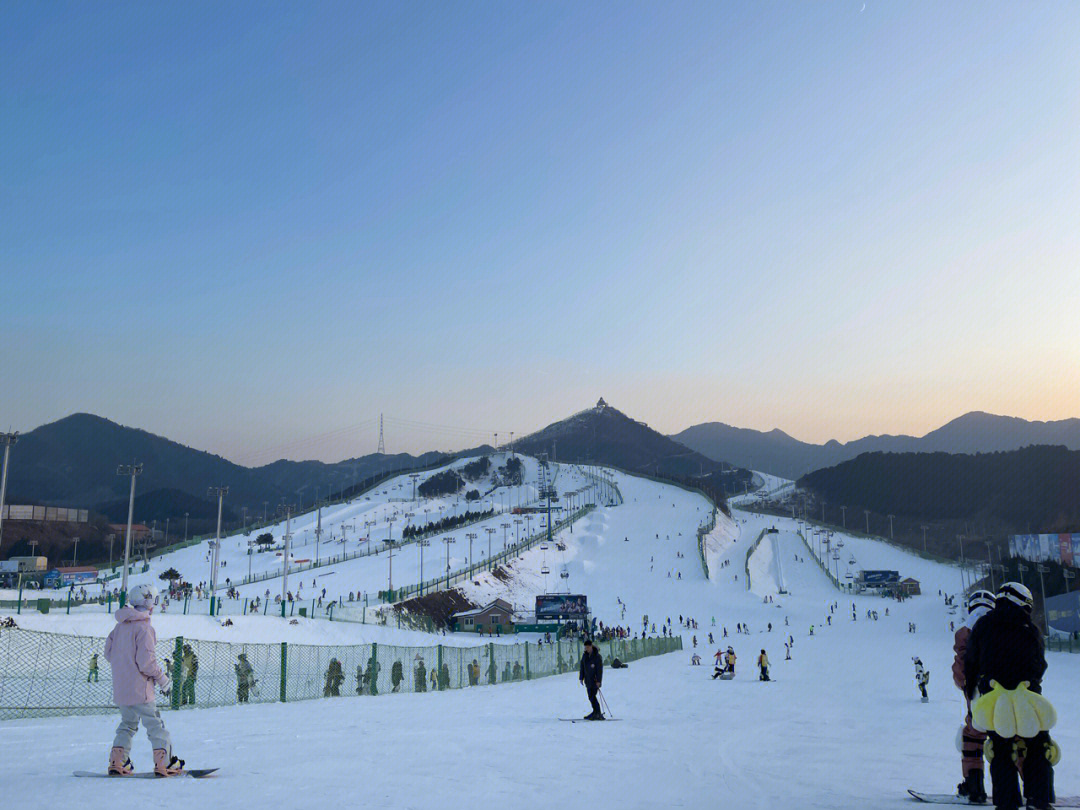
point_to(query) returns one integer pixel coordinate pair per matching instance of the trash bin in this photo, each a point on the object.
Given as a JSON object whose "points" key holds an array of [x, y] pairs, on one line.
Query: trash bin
{"points": [[43, 605]]}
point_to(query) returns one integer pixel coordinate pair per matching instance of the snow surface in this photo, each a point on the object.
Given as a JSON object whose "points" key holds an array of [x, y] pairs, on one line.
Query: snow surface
{"points": [[840, 727]]}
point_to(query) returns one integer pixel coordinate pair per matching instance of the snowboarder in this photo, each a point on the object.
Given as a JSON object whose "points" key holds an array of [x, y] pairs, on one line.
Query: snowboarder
{"points": [[591, 674], [334, 678], [922, 678], [1005, 660], [189, 669], [93, 673], [130, 651], [763, 665], [245, 678], [973, 787]]}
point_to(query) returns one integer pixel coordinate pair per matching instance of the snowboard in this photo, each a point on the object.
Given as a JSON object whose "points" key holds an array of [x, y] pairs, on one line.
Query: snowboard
{"points": [[195, 773], [952, 798], [583, 720]]}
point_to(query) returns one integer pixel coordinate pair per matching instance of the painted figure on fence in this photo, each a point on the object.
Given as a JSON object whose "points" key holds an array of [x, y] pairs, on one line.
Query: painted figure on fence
{"points": [[245, 678], [189, 672], [92, 675], [507, 674], [433, 677], [334, 678], [420, 674], [519, 673], [474, 673], [130, 650], [444, 676]]}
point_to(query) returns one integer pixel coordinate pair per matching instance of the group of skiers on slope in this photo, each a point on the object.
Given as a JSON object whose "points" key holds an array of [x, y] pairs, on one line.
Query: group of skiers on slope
{"points": [[724, 664], [999, 664]]}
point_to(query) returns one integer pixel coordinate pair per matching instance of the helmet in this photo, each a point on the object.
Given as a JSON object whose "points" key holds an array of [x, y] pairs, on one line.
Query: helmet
{"points": [[979, 599], [142, 597], [1017, 594]]}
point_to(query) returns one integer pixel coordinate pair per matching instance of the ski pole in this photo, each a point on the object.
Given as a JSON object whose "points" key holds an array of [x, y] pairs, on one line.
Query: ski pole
{"points": [[604, 701]]}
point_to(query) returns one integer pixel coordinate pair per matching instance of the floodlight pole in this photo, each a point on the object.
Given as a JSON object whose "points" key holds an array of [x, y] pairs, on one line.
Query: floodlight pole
{"points": [[133, 470]]}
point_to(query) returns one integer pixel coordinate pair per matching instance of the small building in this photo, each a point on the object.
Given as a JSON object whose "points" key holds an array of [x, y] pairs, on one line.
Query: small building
{"points": [[497, 615], [909, 587], [71, 575], [139, 531]]}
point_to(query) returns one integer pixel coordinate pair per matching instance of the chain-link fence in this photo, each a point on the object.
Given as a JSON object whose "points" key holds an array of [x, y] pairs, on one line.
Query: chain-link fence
{"points": [[47, 674]]}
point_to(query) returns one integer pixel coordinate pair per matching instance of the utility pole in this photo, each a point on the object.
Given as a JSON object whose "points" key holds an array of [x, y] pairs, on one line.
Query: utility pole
{"points": [[390, 574], [287, 510], [133, 470], [185, 526], [422, 544], [490, 531], [264, 512], [963, 562], [221, 492], [75, 558], [924, 528], [891, 527], [471, 536], [866, 513], [843, 517], [7, 439], [823, 511]]}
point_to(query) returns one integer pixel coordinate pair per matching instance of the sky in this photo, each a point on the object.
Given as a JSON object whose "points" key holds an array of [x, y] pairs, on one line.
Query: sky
{"points": [[254, 227]]}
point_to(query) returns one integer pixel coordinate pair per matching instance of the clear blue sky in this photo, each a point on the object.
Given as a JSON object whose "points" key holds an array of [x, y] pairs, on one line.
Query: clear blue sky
{"points": [[241, 225]]}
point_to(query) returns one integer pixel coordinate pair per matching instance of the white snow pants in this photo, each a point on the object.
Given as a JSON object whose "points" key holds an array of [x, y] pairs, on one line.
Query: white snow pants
{"points": [[148, 714]]}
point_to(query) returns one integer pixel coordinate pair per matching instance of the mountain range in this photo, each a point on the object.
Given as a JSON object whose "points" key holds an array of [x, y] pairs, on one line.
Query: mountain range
{"points": [[777, 453]]}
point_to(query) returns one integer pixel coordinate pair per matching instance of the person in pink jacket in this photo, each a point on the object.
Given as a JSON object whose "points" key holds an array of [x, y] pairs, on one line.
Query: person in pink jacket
{"points": [[979, 603], [130, 650]]}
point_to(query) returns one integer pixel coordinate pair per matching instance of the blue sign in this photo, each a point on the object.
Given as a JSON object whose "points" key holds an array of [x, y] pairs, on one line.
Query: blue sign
{"points": [[1063, 612]]}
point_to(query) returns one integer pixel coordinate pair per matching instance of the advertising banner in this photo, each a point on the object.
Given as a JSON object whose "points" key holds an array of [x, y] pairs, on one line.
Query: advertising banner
{"points": [[561, 606], [21, 512], [1063, 612], [879, 577], [1065, 553]]}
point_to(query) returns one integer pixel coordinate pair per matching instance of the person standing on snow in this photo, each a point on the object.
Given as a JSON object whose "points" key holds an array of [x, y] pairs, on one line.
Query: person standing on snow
{"points": [[763, 665], [973, 787], [1005, 660], [130, 651], [922, 678], [591, 674]]}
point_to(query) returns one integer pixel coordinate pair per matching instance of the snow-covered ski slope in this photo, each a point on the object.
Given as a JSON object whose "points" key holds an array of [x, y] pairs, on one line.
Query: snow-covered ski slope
{"points": [[365, 523], [840, 727]]}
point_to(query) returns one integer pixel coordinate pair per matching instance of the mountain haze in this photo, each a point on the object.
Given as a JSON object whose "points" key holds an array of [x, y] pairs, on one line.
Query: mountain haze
{"points": [[777, 453]]}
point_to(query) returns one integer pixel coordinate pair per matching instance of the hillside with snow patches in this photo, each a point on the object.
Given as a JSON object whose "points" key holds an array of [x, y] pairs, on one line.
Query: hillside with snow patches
{"points": [[839, 726]]}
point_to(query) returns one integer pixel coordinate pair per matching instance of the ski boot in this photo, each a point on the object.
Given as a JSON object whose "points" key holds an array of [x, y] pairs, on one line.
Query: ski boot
{"points": [[165, 764], [120, 763], [972, 788]]}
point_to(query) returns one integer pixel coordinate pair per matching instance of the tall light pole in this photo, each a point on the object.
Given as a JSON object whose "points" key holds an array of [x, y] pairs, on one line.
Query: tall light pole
{"points": [[221, 492], [287, 510], [990, 563], [390, 572], [823, 511], [490, 531], [1042, 569], [891, 527], [133, 470], [843, 518], [447, 541], [7, 439], [471, 536], [866, 513], [75, 554], [185, 526], [318, 524], [963, 562], [505, 526], [422, 544], [924, 528]]}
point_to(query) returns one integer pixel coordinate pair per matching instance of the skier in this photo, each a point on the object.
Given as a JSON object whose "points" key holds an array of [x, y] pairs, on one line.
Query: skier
{"points": [[763, 665], [922, 678], [591, 673], [129, 649], [979, 603], [1005, 660]]}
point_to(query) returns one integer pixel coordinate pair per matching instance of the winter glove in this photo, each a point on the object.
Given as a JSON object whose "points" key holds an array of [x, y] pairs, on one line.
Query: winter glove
{"points": [[165, 686]]}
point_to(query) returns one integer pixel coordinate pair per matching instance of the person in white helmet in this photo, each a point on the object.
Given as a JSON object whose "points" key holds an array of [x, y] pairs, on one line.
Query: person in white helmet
{"points": [[979, 603], [1005, 661], [130, 650]]}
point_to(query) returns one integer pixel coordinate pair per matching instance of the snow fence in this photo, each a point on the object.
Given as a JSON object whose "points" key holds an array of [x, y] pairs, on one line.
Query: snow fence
{"points": [[48, 674]]}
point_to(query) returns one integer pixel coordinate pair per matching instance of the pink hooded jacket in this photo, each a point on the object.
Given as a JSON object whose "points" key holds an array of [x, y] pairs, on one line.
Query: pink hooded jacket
{"points": [[131, 651]]}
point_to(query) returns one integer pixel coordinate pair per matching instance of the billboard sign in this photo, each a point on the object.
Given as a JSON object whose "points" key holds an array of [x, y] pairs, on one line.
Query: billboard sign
{"points": [[878, 578], [9, 566], [1063, 612], [561, 606]]}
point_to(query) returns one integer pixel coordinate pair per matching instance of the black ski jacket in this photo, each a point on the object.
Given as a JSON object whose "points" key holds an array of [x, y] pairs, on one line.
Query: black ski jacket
{"points": [[1005, 646], [591, 670]]}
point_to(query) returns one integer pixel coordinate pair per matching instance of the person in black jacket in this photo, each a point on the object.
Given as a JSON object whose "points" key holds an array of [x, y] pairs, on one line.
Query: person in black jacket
{"points": [[591, 673], [1005, 646]]}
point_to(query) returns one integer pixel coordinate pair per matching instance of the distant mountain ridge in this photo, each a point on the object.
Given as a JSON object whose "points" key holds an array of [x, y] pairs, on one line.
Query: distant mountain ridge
{"points": [[604, 435], [777, 453], [73, 461]]}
